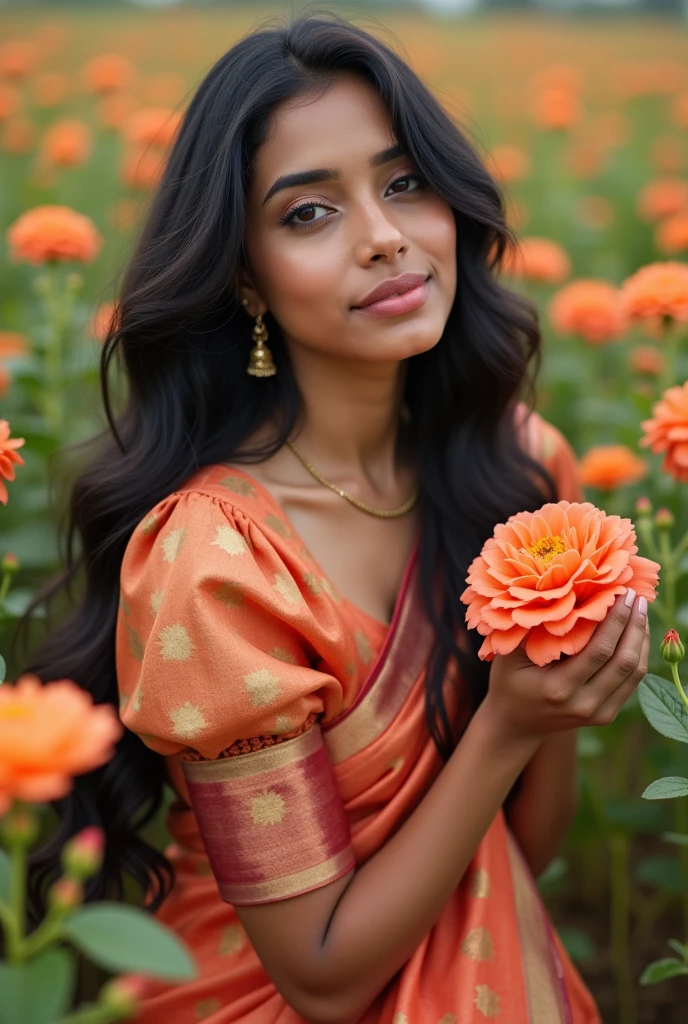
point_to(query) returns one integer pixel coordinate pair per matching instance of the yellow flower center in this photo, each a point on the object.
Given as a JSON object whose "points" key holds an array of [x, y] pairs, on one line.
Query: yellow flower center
{"points": [[15, 711], [546, 548]]}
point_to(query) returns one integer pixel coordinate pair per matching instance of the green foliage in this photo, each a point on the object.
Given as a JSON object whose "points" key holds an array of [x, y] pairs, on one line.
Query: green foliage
{"points": [[39, 991], [665, 789], [663, 708]]}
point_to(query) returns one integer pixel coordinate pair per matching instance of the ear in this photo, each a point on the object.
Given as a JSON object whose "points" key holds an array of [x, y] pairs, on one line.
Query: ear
{"points": [[248, 291]]}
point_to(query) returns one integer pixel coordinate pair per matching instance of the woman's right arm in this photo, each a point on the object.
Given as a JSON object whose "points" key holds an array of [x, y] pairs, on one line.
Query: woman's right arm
{"points": [[331, 951]]}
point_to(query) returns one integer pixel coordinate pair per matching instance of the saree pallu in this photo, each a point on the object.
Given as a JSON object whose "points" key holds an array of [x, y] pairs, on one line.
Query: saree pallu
{"points": [[492, 953]]}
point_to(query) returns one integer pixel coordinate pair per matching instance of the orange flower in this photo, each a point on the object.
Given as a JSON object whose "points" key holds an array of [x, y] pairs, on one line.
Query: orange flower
{"points": [[108, 72], [550, 577], [537, 259], [17, 58], [556, 109], [50, 89], [647, 360], [48, 734], [8, 457], [10, 101], [153, 126], [53, 233], [589, 308], [508, 163], [667, 431], [105, 317], [608, 466], [142, 168], [672, 234], [67, 143], [12, 344], [662, 197], [657, 290], [18, 136]]}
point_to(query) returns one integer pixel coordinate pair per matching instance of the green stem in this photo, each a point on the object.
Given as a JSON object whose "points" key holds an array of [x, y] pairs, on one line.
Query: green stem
{"points": [[670, 346], [644, 527], [4, 590], [93, 1014], [668, 561], [677, 684], [17, 897], [681, 546], [47, 932], [57, 303], [9, 926]]}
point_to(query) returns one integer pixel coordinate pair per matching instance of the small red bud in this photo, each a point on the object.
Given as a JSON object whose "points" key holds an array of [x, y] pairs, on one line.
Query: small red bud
{"points": [[82, 856], [121, 995], [9, 564], [20, 825], [65, 894], [664, 518], [643, 506], [671, 647]]}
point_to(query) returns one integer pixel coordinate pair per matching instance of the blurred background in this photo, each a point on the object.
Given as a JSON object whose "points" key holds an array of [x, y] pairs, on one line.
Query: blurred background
{"points": [[580, 109]]}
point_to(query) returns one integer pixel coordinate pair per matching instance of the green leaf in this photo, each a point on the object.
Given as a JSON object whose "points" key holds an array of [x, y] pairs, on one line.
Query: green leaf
{"points": [[5, 875], [666, 789], [677, 838], [661, 970], [662, 872], [577, 944], [37, 992], [123, 938], [679, 948], [3, 669], [663, 708]]}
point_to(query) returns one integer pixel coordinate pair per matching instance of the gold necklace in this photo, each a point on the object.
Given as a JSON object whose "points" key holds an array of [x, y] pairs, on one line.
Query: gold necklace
{"points": [[384, 513]]}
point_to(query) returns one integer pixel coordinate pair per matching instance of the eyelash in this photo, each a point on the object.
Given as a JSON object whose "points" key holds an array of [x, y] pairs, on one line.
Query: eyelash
{"points": [[288, 218]]}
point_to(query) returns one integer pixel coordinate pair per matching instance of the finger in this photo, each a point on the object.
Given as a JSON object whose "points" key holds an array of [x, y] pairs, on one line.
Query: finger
{"points": [[622, 664], [602, 644], [608, 711]]}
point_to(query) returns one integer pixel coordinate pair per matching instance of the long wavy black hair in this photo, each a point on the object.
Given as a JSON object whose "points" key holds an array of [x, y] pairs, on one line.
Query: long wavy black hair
{"points": [[182, 342]]}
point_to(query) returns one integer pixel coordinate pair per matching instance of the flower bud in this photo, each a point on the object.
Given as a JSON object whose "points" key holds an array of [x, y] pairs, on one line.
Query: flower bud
{"points": [[671, 647], [82, 856], [20, 825], [121, 995], [664, 519], [9, 564], [643, 506], [65, 894]]}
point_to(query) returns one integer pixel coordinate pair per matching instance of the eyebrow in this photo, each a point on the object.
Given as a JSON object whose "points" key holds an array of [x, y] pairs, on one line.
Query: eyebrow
{"points": [[328, 174]]}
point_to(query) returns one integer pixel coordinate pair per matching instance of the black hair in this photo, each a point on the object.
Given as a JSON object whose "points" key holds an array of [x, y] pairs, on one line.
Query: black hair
{"points": [[182, 341]]}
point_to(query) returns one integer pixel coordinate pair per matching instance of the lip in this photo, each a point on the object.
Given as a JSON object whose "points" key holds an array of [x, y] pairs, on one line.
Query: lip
{"points": [[393, 286]]}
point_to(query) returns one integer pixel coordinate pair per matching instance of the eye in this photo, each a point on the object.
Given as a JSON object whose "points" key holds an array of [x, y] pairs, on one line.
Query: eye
{"points": [[292, 216], [404, 181]]}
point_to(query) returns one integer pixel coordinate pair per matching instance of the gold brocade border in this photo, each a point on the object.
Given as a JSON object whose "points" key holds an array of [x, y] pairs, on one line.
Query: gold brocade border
{"points": [[399, 665], [295, 884], [544, 989], [244, 765]]}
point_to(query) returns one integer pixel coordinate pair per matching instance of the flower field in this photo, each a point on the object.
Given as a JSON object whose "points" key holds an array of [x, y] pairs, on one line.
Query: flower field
{"points": [[585, 123]]}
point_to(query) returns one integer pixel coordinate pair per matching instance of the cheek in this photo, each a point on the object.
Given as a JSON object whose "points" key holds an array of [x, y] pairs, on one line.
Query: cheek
{"points": [[301, 276]]}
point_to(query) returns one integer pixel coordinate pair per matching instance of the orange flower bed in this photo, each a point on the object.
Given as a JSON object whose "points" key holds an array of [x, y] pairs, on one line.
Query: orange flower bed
{"points": [[18, 136], [50, 89], [153, 126], [549, 577], [589, 308], [105, 317], [5, 380], [608, 466], [48, 734], [657, 290], [671, 235], [9, 457], [508, 163], [537, 259], [556, 109], [17, 58], [667, 431], [12, 344], [53, 233], [663, 197], [109, 72], [10, 101], [646, 360], [67, 143], [143, 168]]}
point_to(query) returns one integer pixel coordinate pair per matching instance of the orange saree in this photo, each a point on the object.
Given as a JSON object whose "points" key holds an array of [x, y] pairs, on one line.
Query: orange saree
{"points": [[294, 733]]}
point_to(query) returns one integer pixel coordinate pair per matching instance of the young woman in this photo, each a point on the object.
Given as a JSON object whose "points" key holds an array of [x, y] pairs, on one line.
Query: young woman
{"points": [[324, 423]]}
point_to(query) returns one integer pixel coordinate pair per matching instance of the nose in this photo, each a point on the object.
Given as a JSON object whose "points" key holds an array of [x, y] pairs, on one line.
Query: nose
{"points": [[380, 240]]}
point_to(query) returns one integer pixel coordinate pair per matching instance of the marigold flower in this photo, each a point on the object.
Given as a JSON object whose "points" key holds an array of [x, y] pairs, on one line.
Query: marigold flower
{"points": [[50, 89], [9, 457], [537, 259], [646, 360], [671, 235], [53, 233], [508, 163], [608, 466], [10, 101], [67, 143], [12, 344], [153, 126], [556, 109], [657, 290], [109, 72], [662, 197], [17, 58], [104, 318], [115, 110], [589, 308], [550, 577], [164, 87], [143, 168], [667, 431], [48, 734]]}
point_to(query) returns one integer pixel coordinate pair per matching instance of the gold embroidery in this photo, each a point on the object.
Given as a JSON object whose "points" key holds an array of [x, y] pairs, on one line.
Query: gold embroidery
{"points": [[238, 485], [123, 701], [205, 1007], [329, 589], [136, 645], [138, 697], [263, 687], [278, 525], [156, 601], [363, 644], [148, 524], [268, 809], [124, 604], [188, 721], [449, 1018], [230, 540], [229, 594], [283, 723], [396, 764], [487, 1001], [175, 643], [231, 940], [478, 944], [312, 583], [351, 668], [305, 554], [400, 1018], [283, 655], [286, 586], [480, 884], [172, 543]]}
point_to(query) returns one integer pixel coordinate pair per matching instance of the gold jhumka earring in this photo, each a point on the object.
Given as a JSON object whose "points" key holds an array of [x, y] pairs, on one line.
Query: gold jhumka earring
{"points": [[261, 363]]}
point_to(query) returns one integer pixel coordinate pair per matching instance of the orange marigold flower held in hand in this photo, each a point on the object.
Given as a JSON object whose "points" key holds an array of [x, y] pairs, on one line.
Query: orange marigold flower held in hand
{"points": [[48, 734], [67, 143], [608, 466], [662, 197], [667, 431], [646, 360], [53, 233], [550, 577], [671, 235], [537, 259], [657, 290], [153, 126], [589, 308], [109, 72], [9, 457]]}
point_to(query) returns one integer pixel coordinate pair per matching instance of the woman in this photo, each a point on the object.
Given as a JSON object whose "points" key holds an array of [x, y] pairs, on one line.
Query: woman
{"points": [[323, 425]]}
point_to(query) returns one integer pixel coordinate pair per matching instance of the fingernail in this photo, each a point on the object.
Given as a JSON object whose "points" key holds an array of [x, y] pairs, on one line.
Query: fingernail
{"points": [[642, 607], [629, 598]]}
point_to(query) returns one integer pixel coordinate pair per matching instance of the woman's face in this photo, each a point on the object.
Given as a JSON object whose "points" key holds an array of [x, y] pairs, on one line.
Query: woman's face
{"points": [[317, 249]]}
